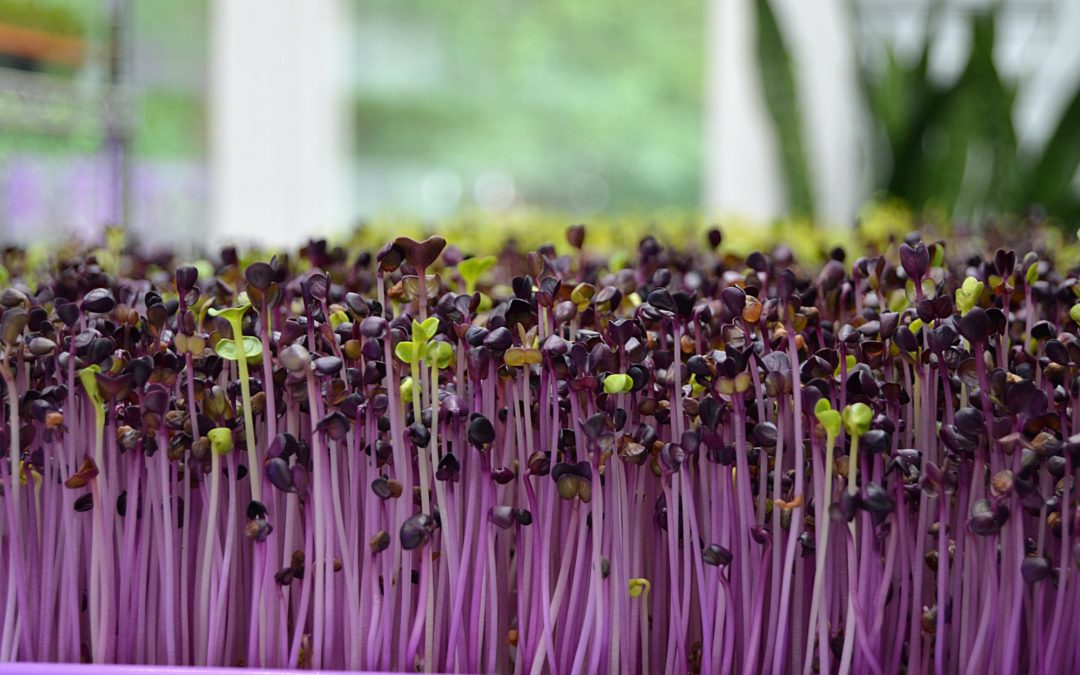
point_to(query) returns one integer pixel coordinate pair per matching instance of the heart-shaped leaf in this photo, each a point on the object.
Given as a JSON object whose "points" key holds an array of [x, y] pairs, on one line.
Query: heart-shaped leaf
{"points": [[422, 332], [968, 294], [421, 253]]}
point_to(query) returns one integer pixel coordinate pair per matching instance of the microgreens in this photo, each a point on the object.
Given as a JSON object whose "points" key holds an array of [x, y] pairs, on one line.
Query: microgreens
{"points": [[968, 294], [630, 463]]}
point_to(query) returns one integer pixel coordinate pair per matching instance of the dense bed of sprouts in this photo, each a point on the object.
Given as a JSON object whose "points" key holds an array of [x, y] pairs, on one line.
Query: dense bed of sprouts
{"points": [[538, 463]]}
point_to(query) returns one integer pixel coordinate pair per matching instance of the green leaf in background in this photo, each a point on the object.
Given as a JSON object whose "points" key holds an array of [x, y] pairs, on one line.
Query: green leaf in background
{"points": [[782, 100], [442, 354], [1050, 183], [895, 97], [542, 91], [962, 154], [968, 294], [471, 269], [954, 147]]}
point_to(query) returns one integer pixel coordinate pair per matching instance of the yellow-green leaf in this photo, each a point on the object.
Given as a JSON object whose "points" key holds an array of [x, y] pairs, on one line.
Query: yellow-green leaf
{"points": [[968, 294], [822, 405], [441, 353], [422, 332], [695, 387], [337, 318], [88, 378], [742, 382], [850, 361], [937, 255], [514, 357], [221, 440], [618, 383], [1032, 273], [830, 421], [639, 586], [898, 301], [230, 314], [857, 418], [226, 349], [471, 269], [411, 352]]}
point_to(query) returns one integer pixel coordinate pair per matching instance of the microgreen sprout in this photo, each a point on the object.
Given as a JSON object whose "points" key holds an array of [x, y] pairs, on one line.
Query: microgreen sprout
{"points": [[472, 269], [250, 349]]}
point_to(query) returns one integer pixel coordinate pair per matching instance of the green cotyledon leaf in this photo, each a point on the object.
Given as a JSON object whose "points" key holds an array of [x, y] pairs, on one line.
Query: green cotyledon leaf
{"points": [[857, 418], [471, 270], [226, 349], [827, 417], [411, 351], [617, 383], [422, 332]]}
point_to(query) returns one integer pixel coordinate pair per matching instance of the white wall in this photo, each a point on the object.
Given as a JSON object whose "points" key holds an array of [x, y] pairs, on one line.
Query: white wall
{"points": [[742, 171], [279, 139]]}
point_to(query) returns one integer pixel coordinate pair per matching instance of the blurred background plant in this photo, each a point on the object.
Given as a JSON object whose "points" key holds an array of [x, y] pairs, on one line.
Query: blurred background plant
{"points": [[188, 122], [953, 145], [577, 106]]}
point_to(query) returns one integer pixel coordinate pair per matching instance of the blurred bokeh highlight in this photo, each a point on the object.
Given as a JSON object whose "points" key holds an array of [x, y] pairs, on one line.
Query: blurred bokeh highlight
{"points": [[270, 122]]}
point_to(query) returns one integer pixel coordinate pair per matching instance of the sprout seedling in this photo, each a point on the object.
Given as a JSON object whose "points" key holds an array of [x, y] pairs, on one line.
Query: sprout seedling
{"points": [[235, 317]]}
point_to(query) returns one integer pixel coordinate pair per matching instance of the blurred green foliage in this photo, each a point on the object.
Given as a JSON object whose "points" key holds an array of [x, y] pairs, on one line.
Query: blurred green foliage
{"points": [[781, 98], [170, 107], [946, 146], [954, 147], [544, 90]]}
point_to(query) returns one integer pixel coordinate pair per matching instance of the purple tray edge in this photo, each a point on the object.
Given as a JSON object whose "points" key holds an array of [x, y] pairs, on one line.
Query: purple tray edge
{"points": [[88, 669]]}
